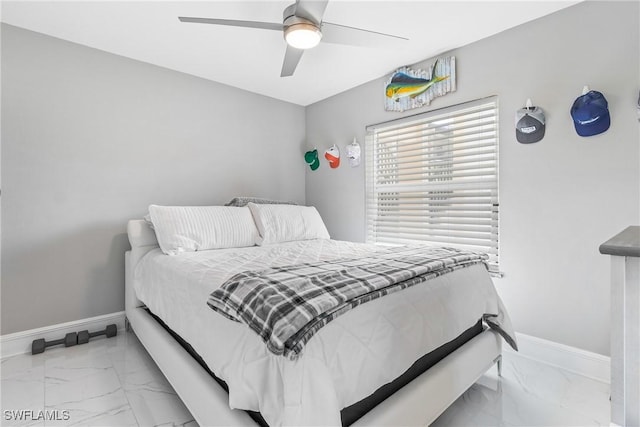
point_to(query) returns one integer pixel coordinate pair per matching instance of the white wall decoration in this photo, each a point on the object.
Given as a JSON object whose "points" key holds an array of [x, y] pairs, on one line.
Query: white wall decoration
{"points": [[353, 153]]}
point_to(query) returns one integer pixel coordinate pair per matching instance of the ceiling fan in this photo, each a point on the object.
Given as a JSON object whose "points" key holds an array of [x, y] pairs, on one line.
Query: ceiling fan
{"points": [[303, 28]]}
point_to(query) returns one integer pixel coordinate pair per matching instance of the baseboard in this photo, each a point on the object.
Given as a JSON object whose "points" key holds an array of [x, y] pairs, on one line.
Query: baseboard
{"points": [[582, 362], [20, 342]]}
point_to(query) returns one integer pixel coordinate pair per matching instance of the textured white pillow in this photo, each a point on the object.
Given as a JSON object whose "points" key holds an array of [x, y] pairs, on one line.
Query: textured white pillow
{"points": [[286, 223], [198, 228]]}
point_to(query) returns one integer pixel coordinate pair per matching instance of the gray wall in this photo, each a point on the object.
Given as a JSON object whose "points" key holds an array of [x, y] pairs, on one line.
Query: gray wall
{"points": [[90, 139], [560, 198]]}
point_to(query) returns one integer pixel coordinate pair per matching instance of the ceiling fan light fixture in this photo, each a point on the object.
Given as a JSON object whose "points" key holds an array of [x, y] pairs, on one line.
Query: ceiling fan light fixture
{"points": [[302, 35]]}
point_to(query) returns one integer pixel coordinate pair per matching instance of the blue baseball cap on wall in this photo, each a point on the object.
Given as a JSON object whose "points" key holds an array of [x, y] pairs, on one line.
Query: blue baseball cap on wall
{"points": [[590, 113]]}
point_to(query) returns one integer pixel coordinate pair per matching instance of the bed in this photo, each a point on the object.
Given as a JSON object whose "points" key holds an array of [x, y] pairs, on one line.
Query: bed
{"points": [[342, 365]]}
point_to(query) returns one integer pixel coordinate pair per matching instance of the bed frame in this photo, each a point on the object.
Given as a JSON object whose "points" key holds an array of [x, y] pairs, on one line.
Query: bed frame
{"points": [[418, 403]]}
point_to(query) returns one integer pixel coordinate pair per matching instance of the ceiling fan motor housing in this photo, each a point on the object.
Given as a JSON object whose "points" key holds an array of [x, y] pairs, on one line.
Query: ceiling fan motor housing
{"points": [[301, 33], [288, 12]]}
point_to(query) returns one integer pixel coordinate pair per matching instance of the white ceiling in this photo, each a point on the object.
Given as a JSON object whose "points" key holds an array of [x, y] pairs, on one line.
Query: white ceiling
{"points": [[251, 59]]}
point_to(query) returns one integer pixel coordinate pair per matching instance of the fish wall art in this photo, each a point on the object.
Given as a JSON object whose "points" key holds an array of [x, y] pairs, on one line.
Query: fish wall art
{"points": [[408, 88]]}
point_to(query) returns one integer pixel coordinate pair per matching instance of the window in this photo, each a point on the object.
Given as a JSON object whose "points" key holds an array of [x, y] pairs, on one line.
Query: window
{"points": [[433, 177]]}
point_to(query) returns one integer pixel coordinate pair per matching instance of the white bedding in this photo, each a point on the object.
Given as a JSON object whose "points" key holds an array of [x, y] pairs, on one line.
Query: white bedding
{"points": [[344, 362]]}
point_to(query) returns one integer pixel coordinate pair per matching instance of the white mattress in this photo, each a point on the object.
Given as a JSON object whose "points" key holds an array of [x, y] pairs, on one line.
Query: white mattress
{"points": [[344, 362]]}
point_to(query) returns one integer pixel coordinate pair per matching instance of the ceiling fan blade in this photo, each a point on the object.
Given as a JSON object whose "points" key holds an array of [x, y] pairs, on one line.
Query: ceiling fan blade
{"points": [[341, 34], [233, 23], [291, 58], [312, 10]]}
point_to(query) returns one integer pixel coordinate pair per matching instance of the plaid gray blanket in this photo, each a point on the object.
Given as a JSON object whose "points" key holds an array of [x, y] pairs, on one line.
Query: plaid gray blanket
{"points": [[287, 305]]}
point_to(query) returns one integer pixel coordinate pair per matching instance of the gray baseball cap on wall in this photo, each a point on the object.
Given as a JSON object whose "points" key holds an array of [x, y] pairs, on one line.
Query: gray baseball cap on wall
{"points": [[529, 125]]}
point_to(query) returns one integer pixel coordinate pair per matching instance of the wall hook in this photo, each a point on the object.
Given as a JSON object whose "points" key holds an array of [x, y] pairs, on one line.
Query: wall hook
{"points": [[585, 90], [529, 104]]}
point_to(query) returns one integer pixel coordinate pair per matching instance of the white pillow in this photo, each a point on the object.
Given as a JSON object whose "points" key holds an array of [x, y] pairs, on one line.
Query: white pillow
{"points": [[286, 223], [198, 228]]}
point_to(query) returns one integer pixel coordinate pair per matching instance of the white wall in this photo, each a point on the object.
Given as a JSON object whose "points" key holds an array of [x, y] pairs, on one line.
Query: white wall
{"points": [[90, 139], [560, 198]]}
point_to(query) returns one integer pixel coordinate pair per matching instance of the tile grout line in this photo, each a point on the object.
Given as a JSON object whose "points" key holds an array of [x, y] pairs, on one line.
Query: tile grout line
{"points": [[126, 395]]}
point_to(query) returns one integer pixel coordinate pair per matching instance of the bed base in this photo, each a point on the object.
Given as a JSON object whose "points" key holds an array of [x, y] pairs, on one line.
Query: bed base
{"points": [[418, 403]]}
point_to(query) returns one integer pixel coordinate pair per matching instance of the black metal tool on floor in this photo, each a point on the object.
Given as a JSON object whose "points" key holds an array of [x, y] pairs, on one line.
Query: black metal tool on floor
{"points": [[110, 331], [39, 345]]}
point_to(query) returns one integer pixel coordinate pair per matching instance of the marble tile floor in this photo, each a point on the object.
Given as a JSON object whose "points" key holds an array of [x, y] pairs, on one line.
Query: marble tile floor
{"points": [[114, 382]]}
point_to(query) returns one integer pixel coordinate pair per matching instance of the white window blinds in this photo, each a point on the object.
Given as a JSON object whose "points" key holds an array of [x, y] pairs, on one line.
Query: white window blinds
{"points": [[433, 177]]}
